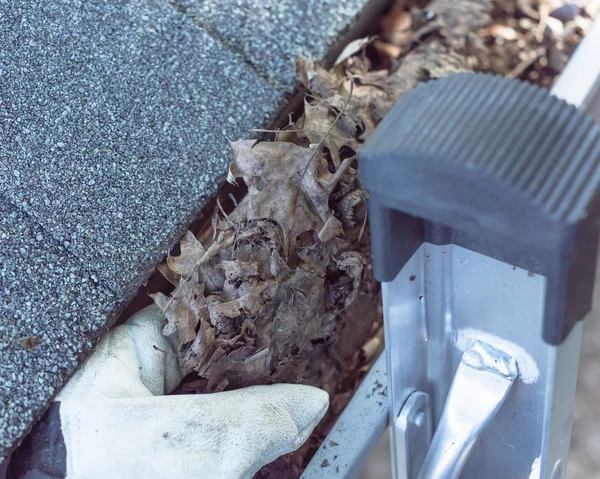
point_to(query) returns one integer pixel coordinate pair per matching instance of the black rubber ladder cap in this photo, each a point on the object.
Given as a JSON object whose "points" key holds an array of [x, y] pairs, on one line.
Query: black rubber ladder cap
{"points": [[497, 166]]}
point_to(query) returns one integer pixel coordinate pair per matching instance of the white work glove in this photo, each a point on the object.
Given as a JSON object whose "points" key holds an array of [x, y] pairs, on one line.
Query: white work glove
{"points": [[117, 422]]}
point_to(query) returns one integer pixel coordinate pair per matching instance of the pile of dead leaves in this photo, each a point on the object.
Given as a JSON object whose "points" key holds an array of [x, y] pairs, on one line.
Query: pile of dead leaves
{"points": [[265, 298], [283, 291], [526, 39], [269, 296], [266, 301], [533, 39]]}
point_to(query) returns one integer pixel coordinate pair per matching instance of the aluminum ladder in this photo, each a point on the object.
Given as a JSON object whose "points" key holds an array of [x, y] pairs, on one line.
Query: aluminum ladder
{"points": [[485, 243]]}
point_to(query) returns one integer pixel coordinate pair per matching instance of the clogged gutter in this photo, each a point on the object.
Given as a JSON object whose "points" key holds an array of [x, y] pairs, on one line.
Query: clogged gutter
{"points": [[282, 289]]}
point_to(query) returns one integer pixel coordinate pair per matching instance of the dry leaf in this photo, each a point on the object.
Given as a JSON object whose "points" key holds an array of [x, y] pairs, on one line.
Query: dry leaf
{"points": [[500, 31], [396, 26], [183, 309], [352, 263], [388, 49], [203, 347], [191, 252], [251, 369], [168, 273], [315, 78], [352, 49], [239, 270]]}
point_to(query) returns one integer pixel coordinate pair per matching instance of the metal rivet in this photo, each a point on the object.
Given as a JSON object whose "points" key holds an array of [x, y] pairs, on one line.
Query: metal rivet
{"points": [[419, 419]]}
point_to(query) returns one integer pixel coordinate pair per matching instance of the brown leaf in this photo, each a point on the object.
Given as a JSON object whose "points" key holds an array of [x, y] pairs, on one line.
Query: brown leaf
{"points": [[352, 263], [30, 342], [253, 369], [239, 270], [291, 193], [500, 31], [214, 368], [347, 204], [352, 49], [203, 347], [182, 310], [191, 253], [318, 118], [396, 26], [316, 78], [298, 317], [168, 273], [222, 314], [277, 266]]}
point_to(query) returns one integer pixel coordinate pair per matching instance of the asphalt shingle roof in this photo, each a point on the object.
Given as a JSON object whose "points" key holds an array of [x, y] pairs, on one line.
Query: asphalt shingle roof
{"points": [[114, 119], [52, 309], [270, 33]]}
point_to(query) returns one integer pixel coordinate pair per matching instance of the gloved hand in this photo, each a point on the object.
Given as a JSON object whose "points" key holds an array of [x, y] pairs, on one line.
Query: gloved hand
{"points": [[117, 422]]}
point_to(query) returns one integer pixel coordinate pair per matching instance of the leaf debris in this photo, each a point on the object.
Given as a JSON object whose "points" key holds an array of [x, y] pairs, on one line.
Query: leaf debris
{"points": [[268, 296], [30, 342]]}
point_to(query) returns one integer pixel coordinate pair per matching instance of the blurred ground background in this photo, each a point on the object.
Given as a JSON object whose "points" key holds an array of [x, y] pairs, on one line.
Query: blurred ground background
{"points": [[584, 460]]}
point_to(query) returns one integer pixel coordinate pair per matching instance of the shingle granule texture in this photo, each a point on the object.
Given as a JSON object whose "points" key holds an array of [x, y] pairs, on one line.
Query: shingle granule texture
{"points": [[270, 33], [115, 118], [51, 310]]}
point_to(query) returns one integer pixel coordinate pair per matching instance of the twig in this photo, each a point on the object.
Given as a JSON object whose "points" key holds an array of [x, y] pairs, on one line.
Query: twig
{"points": [[224, 214], [278, 130], [337, 176], [362, 228], [541, 27], [260, 130], [525, 64], [338, 116], [167, 352]]}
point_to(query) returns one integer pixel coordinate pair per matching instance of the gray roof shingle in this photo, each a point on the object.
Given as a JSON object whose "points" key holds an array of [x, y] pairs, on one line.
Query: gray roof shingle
{"points": [[47, 299], [115, 123], [114, 120], [270, 33]]}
